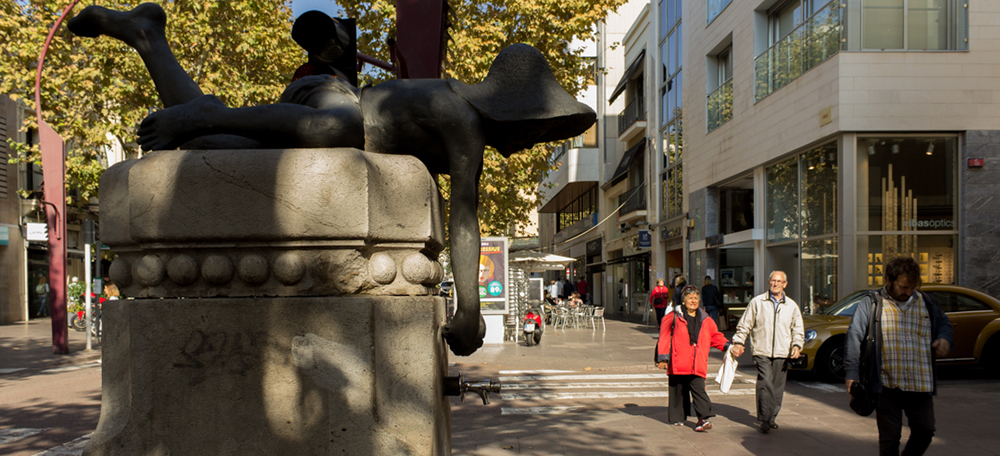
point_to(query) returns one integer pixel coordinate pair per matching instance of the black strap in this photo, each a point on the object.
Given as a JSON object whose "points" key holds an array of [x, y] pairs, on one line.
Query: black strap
{"points": [[868, 343]]}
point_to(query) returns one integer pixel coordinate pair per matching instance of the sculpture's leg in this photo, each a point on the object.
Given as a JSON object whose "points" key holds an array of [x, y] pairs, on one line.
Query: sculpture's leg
{"points": [[280, 124], [466, 331], [142, 28]]}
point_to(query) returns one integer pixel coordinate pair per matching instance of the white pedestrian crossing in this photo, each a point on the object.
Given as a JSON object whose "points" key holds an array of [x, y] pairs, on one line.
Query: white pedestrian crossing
{"points": [[535, 386], [71, 448], [13, 435]]}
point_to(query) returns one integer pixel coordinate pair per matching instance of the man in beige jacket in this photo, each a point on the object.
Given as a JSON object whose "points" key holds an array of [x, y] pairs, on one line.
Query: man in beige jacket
{"points": [[774, 324]]}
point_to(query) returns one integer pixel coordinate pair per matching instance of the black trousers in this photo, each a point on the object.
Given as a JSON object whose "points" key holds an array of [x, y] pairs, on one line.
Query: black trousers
{"points": [[889, 408], [682, 389], [660, 312], [771, 375]]}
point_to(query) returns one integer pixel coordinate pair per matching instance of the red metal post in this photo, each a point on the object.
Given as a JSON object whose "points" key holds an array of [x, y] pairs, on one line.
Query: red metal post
{"points": [[54, 175], [420, 35]]}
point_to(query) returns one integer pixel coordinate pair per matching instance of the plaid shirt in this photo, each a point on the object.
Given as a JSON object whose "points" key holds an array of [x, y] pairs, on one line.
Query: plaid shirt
{"points": [[906, 345]]}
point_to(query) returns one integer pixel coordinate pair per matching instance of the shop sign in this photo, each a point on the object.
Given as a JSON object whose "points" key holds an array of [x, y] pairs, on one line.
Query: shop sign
{"points": [[671, 231], [594, 248], [37, 232], [493, 277], [645, 239], [715, 240], [632, 246], [939, 224]]}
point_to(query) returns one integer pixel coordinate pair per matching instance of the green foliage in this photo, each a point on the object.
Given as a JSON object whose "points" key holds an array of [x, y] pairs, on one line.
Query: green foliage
{"points": [[480, 29], [96, 91]]}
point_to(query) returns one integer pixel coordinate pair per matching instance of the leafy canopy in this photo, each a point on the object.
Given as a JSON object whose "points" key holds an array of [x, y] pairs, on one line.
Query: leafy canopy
{"points": [[96, 91]]}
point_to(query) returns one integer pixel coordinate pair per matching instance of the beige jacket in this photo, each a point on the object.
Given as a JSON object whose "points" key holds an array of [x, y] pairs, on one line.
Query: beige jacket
{"points": [[772, 332]]}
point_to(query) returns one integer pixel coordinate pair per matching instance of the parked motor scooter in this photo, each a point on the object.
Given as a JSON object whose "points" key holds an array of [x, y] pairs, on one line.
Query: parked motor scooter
{"points": [[532, 328]]}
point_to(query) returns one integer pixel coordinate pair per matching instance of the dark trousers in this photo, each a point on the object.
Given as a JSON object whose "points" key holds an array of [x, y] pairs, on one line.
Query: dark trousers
{"points": [[771, 375], [713, 312], [660, 312], [889, 408], [683, 388]]}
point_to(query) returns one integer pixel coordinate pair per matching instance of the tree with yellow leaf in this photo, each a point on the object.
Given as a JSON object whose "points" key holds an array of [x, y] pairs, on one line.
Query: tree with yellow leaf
{"points": [[95, 92]]}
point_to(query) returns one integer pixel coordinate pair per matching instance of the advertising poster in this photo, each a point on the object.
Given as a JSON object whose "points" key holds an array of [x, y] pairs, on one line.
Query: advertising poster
{"points": [[493, 279]]}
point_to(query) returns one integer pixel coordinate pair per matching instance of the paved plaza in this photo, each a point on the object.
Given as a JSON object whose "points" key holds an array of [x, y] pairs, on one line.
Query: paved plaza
{"points": [[581, 392]]}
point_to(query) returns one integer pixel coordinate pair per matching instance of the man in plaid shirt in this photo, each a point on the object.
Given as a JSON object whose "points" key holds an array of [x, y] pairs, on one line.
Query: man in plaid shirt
{"points": [[910, 331]]}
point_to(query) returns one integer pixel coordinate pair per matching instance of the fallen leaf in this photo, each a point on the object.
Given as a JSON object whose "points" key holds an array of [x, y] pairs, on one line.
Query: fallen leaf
{"points": [[586, 368]]}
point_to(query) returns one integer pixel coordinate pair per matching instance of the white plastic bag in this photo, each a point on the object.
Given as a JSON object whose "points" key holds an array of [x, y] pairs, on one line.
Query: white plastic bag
{"points": [[726, 373]]}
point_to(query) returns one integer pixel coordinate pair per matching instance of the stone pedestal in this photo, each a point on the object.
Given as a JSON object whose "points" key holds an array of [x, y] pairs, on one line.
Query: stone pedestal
{"points": [[282, 306]]}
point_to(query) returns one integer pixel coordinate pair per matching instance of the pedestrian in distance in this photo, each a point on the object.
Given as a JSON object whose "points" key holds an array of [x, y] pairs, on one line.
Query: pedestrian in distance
{"points": [[557, 288], [686, 336], [910, 329], [583, 287], [773, 324], [679, 283], [621, 295], [42, 290], [568, 288], [711, 298], [659, 298]]}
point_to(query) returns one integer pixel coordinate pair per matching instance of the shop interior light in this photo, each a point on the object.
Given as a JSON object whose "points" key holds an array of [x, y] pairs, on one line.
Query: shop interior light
{"points": [[930, 147], [895, 148]]}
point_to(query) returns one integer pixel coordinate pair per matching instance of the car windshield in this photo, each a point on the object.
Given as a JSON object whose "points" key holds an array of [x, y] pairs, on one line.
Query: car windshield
{"points": [[845, 307]]}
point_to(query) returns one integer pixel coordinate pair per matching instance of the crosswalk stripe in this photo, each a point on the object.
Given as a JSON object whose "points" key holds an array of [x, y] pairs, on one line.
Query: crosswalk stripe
{"points": [[521, 378], [604, 395], [72, 368], [510, 386], [11, 370], [13, 435], [71, 448], [825, 387], [536, 410], [540, 371]]}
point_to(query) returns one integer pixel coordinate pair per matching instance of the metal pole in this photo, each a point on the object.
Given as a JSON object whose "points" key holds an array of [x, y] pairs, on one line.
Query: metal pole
{"points": [[54, 171], [88, 276]]}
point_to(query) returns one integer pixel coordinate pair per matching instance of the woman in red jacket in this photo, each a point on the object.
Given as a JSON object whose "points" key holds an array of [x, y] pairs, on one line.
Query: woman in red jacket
{"points": [[663, 294], [686, 336]]}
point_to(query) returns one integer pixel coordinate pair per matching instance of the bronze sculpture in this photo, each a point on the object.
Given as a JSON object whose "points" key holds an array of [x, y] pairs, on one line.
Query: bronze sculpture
{"points": [[446, 124]]}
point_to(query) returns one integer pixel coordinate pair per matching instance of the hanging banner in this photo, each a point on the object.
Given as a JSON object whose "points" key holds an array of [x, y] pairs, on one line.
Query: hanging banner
{"points": [[493, 277]]}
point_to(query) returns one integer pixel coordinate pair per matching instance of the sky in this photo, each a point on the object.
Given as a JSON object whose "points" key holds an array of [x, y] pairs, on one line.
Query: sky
{"points": [[329, 7]]}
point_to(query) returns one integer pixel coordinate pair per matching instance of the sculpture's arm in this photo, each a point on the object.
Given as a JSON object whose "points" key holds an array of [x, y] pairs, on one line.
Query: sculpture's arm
{"points": [[467, 329], [280, 125]]}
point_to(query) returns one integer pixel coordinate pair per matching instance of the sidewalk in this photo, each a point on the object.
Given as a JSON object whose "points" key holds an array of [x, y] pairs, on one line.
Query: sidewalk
{"points": [[815, 419], [28, 345]]}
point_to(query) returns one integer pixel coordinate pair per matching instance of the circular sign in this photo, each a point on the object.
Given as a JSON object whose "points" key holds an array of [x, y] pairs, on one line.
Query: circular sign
{"points": [[482, 291], [496, 288]]}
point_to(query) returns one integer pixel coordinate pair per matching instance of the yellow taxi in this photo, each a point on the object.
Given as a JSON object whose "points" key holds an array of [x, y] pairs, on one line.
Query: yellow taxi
{"points": [[974, 315]]}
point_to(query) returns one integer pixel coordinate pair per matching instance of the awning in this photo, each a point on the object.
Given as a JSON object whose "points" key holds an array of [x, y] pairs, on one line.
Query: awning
{"points": [[624, 165], [629, 73], [538, 262], [569, 193]]}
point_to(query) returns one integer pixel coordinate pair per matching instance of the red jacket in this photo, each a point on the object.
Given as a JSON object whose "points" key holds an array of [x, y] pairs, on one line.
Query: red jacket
{"points": [[687, 359], [660, 292]]}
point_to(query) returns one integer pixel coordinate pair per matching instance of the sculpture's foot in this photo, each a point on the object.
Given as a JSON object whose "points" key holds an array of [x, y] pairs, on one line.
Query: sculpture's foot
{"points": [[136, 28], [169, 128], [465, 335]]}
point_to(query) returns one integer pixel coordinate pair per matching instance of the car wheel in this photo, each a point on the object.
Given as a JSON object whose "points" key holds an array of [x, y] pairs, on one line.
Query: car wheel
{"points": [[830, 360], [990, 360]]}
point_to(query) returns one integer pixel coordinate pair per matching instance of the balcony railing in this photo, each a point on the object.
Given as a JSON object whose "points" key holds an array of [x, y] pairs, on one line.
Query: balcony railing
{"points": [[811, 43], [634, 199], [634, 112], [720, 105]]}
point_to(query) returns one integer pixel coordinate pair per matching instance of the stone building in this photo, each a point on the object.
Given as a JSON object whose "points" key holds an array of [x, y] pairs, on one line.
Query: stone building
{"points": [[820, 138]]}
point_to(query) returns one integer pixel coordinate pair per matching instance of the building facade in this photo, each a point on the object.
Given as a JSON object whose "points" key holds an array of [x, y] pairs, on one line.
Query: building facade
{"points": [[819, 138]]}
